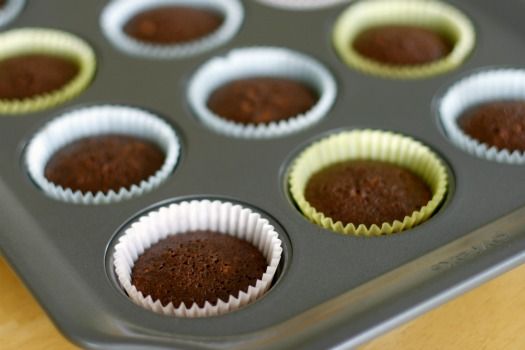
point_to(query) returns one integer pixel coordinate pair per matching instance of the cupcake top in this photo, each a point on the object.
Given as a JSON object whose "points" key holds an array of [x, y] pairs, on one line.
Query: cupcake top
{"points": [[366, 192], [499, 123], [104, 163], [262, 100], [42, 68], [367, 182], [196, 267], [30, 75], [402, 45], [173, 24], [484, 114]]}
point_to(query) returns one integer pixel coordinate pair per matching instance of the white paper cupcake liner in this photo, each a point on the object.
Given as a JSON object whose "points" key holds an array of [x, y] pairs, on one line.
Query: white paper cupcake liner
{"points": [[475, 89], [257, 62], [117, 13], [10, 11], [302, 4], [217, 216], [98, 120]]}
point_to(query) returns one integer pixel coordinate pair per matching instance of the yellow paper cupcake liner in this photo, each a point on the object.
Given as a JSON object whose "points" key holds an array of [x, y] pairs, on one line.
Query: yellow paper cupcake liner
{"points": [[369, 145], [53, 42], [430, 14]]}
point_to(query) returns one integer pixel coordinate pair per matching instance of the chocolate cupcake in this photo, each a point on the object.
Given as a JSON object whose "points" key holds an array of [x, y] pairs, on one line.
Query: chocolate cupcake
{"points": [[402, 45], [261, 92], [27, 76], [104, 163], [172, 24], [404, 39], [366, 192], [484, 114], [9, 10], [41, 68], [102, 154], [367, 182], [167, 29], [207, 258]]}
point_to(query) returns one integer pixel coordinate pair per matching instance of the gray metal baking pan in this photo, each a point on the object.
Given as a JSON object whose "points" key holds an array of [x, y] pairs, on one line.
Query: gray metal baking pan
{"points": [[333, 290]]}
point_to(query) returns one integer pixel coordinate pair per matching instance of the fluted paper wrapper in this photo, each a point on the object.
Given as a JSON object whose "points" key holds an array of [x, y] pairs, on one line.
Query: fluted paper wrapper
{"points": [[117, 13], [433, 15], [10, 11], [52, 42], [481, 87], [368, 145], [261, 62], [93, 121], [224, 217], [303, 4]]}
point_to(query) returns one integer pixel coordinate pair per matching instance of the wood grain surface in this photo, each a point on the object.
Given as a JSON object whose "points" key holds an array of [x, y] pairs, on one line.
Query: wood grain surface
{"points": [[489, 317]]}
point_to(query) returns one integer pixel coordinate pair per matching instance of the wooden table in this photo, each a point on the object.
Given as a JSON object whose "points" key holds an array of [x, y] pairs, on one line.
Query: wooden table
{"points": [[489, 317]]}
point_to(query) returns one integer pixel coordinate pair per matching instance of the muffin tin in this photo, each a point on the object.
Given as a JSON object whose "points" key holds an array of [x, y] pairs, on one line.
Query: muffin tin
{"points": [[332, 290]]}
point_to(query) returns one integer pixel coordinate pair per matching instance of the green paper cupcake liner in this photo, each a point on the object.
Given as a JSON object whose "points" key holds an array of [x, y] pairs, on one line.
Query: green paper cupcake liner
{"points": [[52, 42], [429, 14], [368, 145]]}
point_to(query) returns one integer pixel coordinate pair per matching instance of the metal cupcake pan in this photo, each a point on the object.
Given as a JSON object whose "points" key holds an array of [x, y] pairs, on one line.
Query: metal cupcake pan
{"points": [[332, 290]]}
